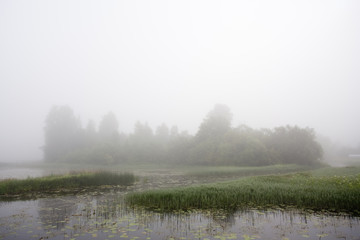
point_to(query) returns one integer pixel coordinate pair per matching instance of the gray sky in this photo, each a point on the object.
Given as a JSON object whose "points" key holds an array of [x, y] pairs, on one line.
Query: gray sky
{"points": [[272, 62]]}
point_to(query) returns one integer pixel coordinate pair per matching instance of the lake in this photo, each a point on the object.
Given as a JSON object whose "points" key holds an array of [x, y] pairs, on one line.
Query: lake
{"points": [[103, 214]]}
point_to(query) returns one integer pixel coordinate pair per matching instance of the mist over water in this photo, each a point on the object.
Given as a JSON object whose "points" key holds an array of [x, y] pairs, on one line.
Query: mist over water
{"points": [[159, 62]]}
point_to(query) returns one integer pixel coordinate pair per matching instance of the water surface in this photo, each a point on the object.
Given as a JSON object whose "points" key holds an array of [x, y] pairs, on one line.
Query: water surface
{"points": [[104, 215]]}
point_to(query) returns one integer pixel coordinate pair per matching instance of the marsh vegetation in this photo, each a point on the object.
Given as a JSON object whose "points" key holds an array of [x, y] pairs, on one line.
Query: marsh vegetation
{"points": [[306, 190], [210, 210], [62, 183]]}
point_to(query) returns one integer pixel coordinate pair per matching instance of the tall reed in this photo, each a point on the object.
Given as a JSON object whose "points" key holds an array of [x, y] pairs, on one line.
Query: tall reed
{"points": [[296, 190]]}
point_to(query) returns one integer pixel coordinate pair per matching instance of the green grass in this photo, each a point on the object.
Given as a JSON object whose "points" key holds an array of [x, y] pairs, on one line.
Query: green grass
{"points": [[58, 182], [306, 190], [223, 171]]}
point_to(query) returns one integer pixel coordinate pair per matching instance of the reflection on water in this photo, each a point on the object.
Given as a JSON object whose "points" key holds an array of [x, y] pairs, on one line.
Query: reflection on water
{"points": [[55, 213], [106, 216]]}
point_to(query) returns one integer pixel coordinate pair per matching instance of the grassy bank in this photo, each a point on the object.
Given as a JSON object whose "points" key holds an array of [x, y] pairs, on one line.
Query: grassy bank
{"points": [[311, 190], [60, 182]]}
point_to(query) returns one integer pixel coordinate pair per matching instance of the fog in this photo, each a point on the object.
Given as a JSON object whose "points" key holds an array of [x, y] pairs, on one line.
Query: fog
{"points": [[272, 62]]}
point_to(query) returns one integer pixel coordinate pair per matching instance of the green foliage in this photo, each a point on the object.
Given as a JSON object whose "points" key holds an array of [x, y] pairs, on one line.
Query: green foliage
{"points": [[216, 124], [215, 144], [55, 183], [242, 146], [295, 145], [333, 193]]}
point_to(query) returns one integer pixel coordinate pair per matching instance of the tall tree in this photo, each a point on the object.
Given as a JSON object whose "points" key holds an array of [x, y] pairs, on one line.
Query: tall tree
{"points": [[141, 145], [108, 128], [162, 133], [62, 131], [90, 134], [216, 123], [143, 131], [211, 132], [295, 145], [174, 131], [244, 146]]}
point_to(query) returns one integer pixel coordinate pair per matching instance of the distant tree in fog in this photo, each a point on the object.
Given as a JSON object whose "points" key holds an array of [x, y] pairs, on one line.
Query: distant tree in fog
{"points": [[143, 131], [205, 149], [174, 131], [62, 133], [108, 127], [216, 123], [140, 144], [244, 146], [90, 137], [162, 133], [295, 145], [216, 142]]}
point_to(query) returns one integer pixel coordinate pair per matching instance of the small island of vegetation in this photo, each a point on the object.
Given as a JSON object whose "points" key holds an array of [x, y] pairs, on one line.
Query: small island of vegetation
{"points": [[315, 190], [58, 183]]}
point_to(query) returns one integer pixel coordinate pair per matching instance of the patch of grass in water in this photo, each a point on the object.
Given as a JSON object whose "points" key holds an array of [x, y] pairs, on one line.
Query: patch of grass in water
{"points": [[59, 182], [340, 193]]}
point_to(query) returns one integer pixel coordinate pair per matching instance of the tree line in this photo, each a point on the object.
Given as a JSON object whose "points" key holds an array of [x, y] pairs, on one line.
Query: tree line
{"points": [[215, 143]]}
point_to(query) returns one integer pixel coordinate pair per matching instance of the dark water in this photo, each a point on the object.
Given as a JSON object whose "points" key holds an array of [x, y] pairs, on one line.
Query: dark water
{"points": [[106, 216]]}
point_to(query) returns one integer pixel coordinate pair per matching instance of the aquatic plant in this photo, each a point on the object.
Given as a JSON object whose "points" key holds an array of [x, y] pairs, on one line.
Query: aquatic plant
{"points": [[60, 182], [301, 190]]}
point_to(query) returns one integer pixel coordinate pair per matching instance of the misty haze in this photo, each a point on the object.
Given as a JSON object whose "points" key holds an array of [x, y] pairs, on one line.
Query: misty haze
{"points": [[179, 119]]}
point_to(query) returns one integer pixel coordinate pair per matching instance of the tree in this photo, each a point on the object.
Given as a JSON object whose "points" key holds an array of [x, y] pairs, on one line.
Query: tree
{"points": [[108, 128], [216, 123], [143, 131], [162, 131], [90, 134], [243, 146], [62, 133], [205, 149], [295, 145], [179, 147], [141, 143], [174, 131], [161, 142]]}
